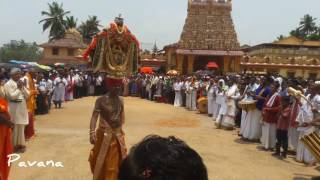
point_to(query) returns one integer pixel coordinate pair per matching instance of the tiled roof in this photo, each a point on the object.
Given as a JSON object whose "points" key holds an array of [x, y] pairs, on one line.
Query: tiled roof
{"points": [[66, 43]]}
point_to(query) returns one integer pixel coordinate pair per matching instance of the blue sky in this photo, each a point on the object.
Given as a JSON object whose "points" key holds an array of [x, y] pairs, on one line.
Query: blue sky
{"points": [[256, 21]]}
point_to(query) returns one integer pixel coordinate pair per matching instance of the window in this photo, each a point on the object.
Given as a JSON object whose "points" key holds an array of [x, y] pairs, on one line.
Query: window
{"points": [[313, 76], [70, 52], [291, 74], [55, 51]]}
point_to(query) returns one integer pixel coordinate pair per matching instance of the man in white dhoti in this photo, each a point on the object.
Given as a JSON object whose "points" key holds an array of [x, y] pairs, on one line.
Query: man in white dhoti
{"points": [[221, 101], [60, 84], [254, 118], [17, 95], [177, 86], [245, 123], [232, 94], [211, 97], [188, 93], [305, 117], [193, 95], [270, 118]]}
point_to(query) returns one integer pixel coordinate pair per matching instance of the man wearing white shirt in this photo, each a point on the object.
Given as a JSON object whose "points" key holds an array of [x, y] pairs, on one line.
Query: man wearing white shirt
{"points": [[17, 94]]}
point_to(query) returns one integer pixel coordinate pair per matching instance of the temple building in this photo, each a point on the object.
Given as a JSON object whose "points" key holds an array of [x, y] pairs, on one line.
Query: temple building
{"points": [[65, 50], [208, 36], [289, 57]]}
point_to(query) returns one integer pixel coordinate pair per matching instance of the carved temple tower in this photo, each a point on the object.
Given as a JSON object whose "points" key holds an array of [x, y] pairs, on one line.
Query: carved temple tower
{"points": [[208, 35]]}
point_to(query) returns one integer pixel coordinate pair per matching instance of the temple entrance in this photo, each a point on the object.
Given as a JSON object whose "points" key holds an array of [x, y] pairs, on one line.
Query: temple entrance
{"points": [[201, 62], [185, 64]]}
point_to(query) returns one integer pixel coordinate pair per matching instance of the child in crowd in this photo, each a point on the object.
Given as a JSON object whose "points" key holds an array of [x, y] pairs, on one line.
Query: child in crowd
{"points": [[282, 128]]}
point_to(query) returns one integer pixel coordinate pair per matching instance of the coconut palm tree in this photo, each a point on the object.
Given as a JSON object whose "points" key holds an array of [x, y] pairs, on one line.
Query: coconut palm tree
{"points": [[308, 25], [71, 22], [54, 20], [89, 28]]}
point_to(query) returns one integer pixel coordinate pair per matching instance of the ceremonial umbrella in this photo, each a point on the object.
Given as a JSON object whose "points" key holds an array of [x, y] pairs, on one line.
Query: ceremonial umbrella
{"points": [[212, 65], [146, 70]]}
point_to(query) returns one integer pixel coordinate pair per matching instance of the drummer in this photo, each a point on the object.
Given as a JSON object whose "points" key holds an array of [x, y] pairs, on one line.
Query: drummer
{"points": [[254, 117], [251, 87]]}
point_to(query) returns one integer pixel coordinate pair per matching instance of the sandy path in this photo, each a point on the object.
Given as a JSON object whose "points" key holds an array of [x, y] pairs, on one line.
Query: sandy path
{"points": [[63, 136]]}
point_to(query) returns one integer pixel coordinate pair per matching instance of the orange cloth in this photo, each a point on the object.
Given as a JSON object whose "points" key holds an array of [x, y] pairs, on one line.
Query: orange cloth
{"points": [[113, 158], [6, 146]]}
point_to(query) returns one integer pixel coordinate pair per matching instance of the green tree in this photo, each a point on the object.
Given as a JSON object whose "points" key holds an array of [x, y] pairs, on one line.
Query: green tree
{"points": [[280, 37], [71, 22], [54, 20], [308, 25], [155, 49], [20, 50], [89, 28]]}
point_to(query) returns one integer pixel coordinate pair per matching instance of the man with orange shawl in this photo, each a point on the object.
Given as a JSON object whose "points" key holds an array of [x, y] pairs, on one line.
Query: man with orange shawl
{"points": [[6, 126], [31, 102], [108, 139]]}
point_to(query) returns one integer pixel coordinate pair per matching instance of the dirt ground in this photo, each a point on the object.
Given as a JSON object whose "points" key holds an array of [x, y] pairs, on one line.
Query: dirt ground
{"points": [[63, 136]]}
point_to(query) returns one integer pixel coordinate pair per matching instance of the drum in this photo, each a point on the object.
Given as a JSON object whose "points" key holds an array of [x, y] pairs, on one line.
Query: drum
{"points": [[203, 105], [312, 143], [248, 105]]}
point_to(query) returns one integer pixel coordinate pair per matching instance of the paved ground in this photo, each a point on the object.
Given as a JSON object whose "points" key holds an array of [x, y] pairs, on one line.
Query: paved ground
{"points": [[63, 136]]}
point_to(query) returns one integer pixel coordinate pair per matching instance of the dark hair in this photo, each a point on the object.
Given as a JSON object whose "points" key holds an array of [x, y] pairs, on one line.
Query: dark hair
{"points": [[158, 158]]}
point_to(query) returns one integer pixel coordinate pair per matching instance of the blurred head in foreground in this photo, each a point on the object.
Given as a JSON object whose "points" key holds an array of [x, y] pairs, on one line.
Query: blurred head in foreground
{"points": [[158, 158]]}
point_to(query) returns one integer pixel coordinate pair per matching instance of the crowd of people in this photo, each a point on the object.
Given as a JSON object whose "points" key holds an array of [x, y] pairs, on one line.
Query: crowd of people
{"points": [[25, 93], [279, 110], [272, 110]]}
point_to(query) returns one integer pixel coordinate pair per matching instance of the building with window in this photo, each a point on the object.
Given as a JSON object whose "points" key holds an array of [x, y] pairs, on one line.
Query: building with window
{"points": [[289, 57], [64, 50]]}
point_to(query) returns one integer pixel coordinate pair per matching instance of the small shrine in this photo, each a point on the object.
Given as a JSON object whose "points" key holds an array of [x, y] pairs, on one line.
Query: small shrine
{"points": [[64, 50]]}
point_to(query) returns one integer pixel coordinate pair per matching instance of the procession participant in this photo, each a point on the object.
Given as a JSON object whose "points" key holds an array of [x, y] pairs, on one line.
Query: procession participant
{"points": [[270, 118], [282, 128], [255, 116], [17, 95], [70, 87], [158, 158], [5, 135], [98, 85], [221, 101], [108, 138], [188, 92], [183, 92], [232, 94], [178, 98], [60, 84], [245, 128], [42, 102], [49, 87], [28, 80], [305, 119], [211, 97], [125, 86], [193, 93]]}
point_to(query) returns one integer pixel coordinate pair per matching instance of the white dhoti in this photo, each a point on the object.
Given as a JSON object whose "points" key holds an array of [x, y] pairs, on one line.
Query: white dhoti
{"points": [[243, 122], [194, 100], [228, 119], [188, 101], [269, 135], [293, 136], [210, 105], [303, 154], [18, 135], [178, 99], [253, 127]]}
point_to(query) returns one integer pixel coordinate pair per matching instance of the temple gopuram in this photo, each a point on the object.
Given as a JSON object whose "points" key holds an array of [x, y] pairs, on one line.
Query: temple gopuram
{"points": [[208, 36]]}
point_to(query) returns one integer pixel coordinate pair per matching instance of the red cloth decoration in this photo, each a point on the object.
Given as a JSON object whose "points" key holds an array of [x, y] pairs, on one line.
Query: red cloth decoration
{"points": [[212, 65], [112, 82]]}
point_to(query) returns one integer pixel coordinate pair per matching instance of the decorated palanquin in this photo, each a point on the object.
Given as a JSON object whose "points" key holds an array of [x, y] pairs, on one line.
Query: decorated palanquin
{"points": [[115, 51]]}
